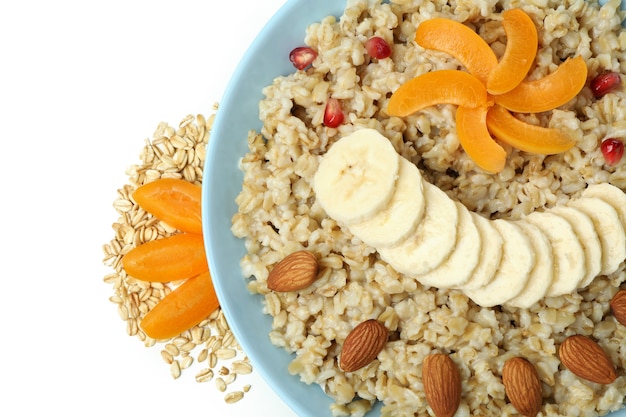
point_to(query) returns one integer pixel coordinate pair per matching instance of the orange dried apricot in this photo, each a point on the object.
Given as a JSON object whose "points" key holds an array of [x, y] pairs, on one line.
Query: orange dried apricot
{"points": [[476, 141], [519, 55], [461, 42], [549, 92], [173, 201], [524, 136], [187, 305], [437, 87], [171, 258], [490, 82]]}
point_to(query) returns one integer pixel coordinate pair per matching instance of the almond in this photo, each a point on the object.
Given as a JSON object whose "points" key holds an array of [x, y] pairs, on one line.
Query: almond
{"points": [[618, 306], [522, 386], [586, 359], [362, 345], [442, 384], [295, 272]]}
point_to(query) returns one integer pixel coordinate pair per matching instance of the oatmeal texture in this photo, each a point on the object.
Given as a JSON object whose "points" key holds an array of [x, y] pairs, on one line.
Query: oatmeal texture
{"points": [[278, 213]]}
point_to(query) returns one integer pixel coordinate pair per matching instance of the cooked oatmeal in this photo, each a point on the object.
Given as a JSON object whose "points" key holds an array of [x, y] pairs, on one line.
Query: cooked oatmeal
{"points": [[278, 213]]}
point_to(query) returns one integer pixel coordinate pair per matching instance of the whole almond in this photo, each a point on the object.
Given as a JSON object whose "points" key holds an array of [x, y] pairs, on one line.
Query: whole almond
{"points": [[618, 306], [442, 384], [362, 345], [522, 386], [586, 359], [295, 272]]}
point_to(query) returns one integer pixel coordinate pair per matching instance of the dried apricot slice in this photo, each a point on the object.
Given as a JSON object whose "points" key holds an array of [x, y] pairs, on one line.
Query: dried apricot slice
{"points": [[187, 305], [437, 87], [167, 259], [461, 42], [549, 92], [174, 201], [524, 136], [519, 55], [476, 141]]}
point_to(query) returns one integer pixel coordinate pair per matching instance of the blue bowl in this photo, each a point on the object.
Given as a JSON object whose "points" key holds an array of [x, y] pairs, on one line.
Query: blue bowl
{"points": [[238, 114]]}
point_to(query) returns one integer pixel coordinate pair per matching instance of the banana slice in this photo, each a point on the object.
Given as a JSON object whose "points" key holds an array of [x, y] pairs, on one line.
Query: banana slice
{"points": [[569, 257], [490, 256], [459, 266], [610, 194], [406, 208], [587, 236], [609, 229], [518, 259], [540, 277], [433, 240], [356, 177]]}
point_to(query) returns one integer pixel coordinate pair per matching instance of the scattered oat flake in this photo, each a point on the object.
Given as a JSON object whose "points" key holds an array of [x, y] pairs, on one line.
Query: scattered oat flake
{"points": [[233, 397]]}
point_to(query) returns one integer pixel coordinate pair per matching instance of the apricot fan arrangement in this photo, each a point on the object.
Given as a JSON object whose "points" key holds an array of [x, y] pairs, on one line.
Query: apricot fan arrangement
{"points": [[491, 89], [180, 257]]}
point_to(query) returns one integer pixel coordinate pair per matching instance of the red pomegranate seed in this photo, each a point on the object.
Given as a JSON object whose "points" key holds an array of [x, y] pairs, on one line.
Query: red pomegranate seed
{"points": [[333, 115], [605, 83], [377, 47], [612, 150], [302, 56]]}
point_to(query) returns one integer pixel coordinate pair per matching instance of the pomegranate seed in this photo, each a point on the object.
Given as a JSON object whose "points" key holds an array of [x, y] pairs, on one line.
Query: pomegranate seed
{"points": [[302, 56], [605, 83], [377, 47], [333, 115], [612, 150]]}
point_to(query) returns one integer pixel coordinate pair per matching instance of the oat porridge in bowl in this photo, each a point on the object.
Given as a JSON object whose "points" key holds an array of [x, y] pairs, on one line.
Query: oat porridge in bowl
{"points": [[418, 208]]}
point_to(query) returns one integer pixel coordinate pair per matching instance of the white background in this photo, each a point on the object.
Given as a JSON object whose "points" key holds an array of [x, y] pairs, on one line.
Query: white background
{"points": [[82, 85]]}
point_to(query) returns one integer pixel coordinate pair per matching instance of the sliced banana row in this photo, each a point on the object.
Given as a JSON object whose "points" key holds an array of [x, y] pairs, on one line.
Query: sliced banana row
{"points": [[383, 200]]}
